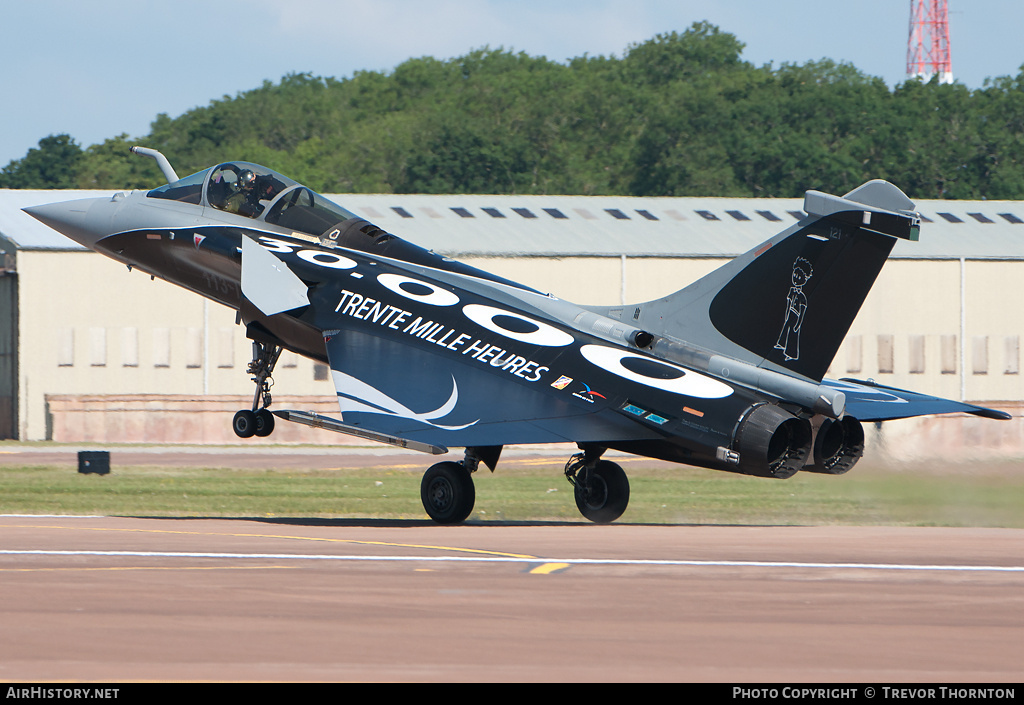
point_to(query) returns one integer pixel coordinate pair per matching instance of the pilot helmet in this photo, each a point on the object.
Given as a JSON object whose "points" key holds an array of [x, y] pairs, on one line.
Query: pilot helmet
{"points": [[246, 180]]}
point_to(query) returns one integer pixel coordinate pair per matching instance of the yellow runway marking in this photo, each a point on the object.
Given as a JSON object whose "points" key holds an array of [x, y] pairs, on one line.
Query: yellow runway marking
{"points": [[282, 536], [549, 568]]}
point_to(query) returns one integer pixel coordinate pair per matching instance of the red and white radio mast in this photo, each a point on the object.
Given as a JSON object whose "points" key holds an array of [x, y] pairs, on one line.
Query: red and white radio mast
{"points": [[928, 44]]}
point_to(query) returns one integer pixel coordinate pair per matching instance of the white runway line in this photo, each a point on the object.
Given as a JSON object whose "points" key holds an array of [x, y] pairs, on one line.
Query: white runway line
{"points": [[532, 560]]}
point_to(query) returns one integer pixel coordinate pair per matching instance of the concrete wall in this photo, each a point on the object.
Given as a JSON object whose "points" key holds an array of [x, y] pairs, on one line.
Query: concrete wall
{"points": [[177, 418], [951, 437], [88, 326]]}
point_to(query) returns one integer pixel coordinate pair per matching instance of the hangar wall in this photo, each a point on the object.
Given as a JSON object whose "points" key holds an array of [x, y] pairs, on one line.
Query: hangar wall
{"points": [[92, 327]]}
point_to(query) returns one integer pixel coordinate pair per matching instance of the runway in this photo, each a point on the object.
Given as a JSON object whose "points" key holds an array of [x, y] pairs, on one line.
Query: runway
{"points": [[128, 599]]}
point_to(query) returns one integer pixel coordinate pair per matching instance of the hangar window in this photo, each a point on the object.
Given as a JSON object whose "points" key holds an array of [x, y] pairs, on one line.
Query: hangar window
{"points": [[981, 217], [493, 212], [193, 348], [616, 213], [854, 353], [799, 215], [950, 218], [707, 215], [401, 211], [885, 354], [555, 213], [585, 214], [225, 351], [647, 214], [947, 352], [769, 216], [979, 354], [1011, 218], [97, 346], [66, 347], [1011, 355], [161, 347], [462, 213], [917, 348], [130, 347], [738, 215], [525, 212], [926, 219]]}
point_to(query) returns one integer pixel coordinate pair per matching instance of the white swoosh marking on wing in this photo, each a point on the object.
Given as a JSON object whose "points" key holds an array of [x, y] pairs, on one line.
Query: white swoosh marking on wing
{"points": [[366, 394]]}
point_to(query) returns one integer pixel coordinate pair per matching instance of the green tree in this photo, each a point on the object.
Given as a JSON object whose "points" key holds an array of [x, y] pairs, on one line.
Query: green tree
{"points": [[53, 164], [679, 114]]}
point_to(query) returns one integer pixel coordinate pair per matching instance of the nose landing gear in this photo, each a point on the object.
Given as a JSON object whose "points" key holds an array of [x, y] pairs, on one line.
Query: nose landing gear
{"points": [[259, 421]]}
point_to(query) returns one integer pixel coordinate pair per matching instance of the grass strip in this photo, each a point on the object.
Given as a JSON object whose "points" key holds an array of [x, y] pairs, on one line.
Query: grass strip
{"points": [[872, 496]]}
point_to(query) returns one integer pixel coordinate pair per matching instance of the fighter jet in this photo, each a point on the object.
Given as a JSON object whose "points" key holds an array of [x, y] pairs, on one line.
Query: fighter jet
{"points": [[428, 353]]}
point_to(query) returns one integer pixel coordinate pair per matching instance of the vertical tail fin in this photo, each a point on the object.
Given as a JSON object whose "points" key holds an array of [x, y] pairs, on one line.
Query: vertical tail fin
{"points": [[789, 302]]}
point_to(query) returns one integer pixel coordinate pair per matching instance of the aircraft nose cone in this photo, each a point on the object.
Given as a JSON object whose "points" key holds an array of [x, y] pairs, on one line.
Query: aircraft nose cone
{"points": [[84, 221]]}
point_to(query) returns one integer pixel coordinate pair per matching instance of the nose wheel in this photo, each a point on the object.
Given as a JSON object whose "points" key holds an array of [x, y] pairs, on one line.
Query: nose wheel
{"points": [[247, 424], [259, 421]]}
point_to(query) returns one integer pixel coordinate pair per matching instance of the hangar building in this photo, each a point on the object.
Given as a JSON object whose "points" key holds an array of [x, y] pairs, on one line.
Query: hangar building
{"points": [[90, 351]]}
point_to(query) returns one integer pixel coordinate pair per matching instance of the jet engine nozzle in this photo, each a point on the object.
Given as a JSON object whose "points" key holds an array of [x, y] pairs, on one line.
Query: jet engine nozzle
{"points": [[772, 442], [838, 446]]}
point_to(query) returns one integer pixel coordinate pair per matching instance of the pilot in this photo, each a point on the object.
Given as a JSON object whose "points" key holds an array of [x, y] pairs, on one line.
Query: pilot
{"points": [[245, 200]]}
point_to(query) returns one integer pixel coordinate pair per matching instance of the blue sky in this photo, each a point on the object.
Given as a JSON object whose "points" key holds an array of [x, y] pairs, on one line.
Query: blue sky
{"points": [[97, 68]]}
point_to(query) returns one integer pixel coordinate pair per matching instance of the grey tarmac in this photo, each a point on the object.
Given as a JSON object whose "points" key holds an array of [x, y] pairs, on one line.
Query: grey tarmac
{"points": [[129, 599]]}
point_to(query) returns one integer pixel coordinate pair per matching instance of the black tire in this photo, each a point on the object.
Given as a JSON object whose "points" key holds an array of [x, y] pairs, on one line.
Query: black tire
{"points": [[447, 493], [264, 423], [244, 424], [602, 494]]}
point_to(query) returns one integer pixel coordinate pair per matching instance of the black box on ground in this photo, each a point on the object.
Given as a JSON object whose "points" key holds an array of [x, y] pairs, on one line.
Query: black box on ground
{"points": [[94, 461]]}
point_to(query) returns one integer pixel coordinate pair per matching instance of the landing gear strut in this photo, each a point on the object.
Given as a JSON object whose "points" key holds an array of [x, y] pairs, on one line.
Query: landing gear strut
{"points": [[601, 486], [259, 421], [447, 490]]}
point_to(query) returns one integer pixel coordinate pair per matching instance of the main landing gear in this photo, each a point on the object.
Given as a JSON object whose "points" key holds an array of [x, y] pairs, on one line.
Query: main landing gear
{"points": [[601, 486], [259, 421], [447, 489]]}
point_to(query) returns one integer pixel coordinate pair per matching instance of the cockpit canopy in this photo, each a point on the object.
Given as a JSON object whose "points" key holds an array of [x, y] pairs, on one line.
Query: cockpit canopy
{"points": [[256, 192]]}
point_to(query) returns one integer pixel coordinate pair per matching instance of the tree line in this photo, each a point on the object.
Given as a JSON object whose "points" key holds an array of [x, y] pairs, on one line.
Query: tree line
{"points": [[681, 114]]}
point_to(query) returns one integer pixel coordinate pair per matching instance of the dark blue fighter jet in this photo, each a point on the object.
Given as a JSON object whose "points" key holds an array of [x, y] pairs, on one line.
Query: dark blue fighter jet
{"points": [[428, 353]]}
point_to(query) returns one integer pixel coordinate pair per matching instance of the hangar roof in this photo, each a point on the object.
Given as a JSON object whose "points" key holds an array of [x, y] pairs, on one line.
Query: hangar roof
{"points": [[26, 232], [658, 227], [601, 226]]}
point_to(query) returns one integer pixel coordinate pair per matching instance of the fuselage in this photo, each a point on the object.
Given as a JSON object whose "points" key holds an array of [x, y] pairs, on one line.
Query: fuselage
{"points": [[533, 368]]}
